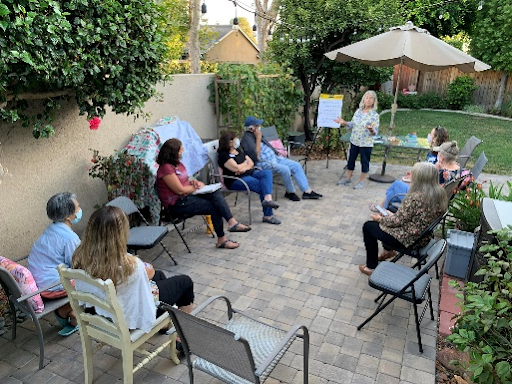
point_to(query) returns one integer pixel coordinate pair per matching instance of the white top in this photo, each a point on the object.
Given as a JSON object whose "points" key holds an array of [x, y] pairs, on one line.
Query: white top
{"points": [[134, 296]]}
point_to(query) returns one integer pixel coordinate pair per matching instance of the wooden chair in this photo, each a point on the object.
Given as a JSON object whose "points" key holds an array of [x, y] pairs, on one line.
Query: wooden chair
{"points": [[406, 283], [18, 301], [110, 331], [243, 351]]}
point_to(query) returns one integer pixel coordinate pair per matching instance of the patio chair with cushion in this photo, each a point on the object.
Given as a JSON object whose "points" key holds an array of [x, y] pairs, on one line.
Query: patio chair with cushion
{"points": [[242, 351], [26, 298], [405, 283], [466, 151], [111, 330], [144, 236]]}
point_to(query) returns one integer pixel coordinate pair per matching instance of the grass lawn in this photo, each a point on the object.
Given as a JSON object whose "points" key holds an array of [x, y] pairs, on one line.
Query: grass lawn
{"points": [[496, 134]]}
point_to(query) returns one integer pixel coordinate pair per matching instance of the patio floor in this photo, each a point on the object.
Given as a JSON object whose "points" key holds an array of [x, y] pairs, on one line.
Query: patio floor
{"points": [[302, 271]]}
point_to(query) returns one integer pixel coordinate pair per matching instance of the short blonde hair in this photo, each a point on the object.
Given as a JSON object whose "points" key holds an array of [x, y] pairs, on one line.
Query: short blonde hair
{"points": [[375, 100], [102, 252]]}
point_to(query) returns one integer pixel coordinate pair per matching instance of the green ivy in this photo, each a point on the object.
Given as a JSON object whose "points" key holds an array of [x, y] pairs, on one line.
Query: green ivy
{"points": [[105, 52], [484, 326], [268, 92]]}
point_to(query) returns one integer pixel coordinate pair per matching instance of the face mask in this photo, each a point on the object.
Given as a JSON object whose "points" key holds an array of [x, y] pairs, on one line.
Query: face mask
{"points": [[429, 138], [181, 154], [78, 217], [237, 143]]}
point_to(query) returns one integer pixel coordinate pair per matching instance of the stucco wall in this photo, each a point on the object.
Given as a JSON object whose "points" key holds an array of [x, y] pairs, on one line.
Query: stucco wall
{"points": [[41, 168]]}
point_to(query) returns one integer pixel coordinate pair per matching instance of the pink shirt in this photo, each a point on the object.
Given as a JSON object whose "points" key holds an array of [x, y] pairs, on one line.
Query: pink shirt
{"points": [[168, 197]]}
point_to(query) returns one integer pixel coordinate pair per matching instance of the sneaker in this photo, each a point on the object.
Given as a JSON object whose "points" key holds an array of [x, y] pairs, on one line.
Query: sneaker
{"points": [[269, 204], [272, 220], [292, 196], [312, 195], [68, 330], [359, 185], [345, 181], [316, 194]]}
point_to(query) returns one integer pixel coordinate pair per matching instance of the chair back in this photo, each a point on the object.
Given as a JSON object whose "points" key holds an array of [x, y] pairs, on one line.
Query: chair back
{"points": [[270, 133], [452, 186], [10, 286], [99, 327], [433, 255], [214, 344], [479, 166], [466, 151], [215, 171], [125, 204]]}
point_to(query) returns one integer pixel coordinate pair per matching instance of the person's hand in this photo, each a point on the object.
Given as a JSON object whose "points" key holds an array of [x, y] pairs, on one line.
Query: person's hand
{"points": [[257, 133], [340, 121], [376, 217], [370, 127], [200, 184]]}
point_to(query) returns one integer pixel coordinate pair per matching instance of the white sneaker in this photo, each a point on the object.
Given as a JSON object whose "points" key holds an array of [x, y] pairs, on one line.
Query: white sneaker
{"points": [[345, 181], [359, 185]]}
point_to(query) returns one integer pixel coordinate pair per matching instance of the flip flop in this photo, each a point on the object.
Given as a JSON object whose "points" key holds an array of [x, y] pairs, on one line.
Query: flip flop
{"points": [[373, 208], [68, 330], [224, 244], [364, 269], [238, 228]]}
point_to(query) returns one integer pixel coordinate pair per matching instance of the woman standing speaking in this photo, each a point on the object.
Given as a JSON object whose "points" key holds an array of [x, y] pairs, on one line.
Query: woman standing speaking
{"points": [[364, 125]]}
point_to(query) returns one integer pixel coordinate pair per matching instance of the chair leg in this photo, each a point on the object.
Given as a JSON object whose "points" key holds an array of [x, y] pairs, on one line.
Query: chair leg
{"points": [[182, 238], [249, 207], [169, 253], [88, 359], [417, 326], [14, 322], [305, 340], [376, 312], [208, 226], [430, 304], [41, 341], [127, 356]]}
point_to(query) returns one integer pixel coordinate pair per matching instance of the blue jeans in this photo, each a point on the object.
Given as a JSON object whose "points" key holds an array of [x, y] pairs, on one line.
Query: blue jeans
{"points": [[259, 182], [397, 187], [287, 168]]}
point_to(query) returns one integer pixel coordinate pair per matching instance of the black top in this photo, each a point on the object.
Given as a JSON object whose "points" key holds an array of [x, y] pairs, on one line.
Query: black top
{"points": [[239, 159]]}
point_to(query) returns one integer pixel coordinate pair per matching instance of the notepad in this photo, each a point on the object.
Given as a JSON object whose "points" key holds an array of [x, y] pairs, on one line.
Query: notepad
{"points": [[208, 189]]}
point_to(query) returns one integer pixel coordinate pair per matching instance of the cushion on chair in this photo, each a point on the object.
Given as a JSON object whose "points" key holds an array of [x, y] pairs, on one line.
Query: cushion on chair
{"points": [[262, 339], [146, 237], [279, 147], [392, 277], [25, 281]]}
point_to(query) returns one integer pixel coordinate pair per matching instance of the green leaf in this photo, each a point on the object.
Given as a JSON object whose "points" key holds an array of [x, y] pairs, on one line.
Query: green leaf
{"points": [[4, 11]]}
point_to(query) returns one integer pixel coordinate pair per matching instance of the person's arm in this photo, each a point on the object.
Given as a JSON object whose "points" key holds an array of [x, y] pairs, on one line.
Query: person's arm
{"points": [[232, 165], [174, 184], [257, 134], [69, 249], [340, 121], [150, 271], [407, 209], [249, 161]]}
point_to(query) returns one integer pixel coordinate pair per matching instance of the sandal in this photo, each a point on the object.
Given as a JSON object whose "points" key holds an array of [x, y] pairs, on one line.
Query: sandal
{"points": [[225, 245], [272, 220], [373, 208], [364, 269], [239, 227], [384, 255]]}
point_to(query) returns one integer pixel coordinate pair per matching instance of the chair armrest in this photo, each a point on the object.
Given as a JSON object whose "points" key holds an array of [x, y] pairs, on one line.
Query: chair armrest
{"points": [[26, 297], [20, 259], [239, 179], [206, 303]]}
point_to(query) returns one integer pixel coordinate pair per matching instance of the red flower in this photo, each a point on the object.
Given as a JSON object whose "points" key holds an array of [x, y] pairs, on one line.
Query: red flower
{"points": [[94, 123]]}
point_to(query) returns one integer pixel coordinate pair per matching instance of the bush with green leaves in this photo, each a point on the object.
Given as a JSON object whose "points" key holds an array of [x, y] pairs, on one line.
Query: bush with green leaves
{"points": [[269, 92], [459, 92], [484, 326], [104, 53], [422, 100]]}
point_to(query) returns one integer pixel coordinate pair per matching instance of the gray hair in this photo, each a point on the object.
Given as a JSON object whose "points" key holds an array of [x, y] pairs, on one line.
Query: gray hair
{"points": [[375, 100], [449, 150], [61, 206], [425, 180]]}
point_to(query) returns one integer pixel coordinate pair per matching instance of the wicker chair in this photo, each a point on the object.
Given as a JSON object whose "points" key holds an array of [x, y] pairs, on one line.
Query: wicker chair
{"points": [[244, 351]]}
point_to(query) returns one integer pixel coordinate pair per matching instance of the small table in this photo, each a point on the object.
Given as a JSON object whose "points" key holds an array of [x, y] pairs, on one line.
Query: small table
{"points": [[419, 146]]}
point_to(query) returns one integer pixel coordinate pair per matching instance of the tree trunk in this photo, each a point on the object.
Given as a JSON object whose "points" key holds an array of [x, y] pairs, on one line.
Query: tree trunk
{"points": [[307, 105], [193, 37], [263, 24], [501, 92]]}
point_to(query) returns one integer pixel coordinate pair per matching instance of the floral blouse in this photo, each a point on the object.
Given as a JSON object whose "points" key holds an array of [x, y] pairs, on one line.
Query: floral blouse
{"points": [[445, 175], [360, 135], [411, 219]]}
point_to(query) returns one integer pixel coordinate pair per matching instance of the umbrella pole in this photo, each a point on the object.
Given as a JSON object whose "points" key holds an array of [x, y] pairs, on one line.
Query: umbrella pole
{"points": [[395, 105]]}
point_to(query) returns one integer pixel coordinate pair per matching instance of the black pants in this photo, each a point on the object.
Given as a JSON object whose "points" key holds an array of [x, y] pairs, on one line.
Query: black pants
{"points": [[212, 204], [371, 234], [177, 289]]}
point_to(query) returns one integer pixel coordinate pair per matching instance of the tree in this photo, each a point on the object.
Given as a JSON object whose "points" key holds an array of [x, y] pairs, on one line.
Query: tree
{"points": [[176, 21], [321, 26], [193, 36], [266, 12], [103, 53], [244, 25], [491, 42]]}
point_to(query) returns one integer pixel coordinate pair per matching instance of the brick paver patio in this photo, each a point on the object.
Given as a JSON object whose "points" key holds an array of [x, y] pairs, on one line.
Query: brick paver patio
{"points": [[303, 271]]}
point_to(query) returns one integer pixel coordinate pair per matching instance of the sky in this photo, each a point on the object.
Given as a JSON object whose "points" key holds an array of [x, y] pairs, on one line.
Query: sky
{"points": [[222, 11]]}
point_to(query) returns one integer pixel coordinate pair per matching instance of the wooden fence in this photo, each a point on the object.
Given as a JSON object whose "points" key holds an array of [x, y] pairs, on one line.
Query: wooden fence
{"points": [[488, 83]]}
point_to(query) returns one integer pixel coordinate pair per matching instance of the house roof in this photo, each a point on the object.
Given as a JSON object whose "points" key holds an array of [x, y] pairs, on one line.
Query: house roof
{"points": [[224, 31]]}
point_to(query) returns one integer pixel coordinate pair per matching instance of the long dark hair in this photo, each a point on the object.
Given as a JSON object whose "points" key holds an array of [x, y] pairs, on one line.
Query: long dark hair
{"points": [[169, 153], [224, 141]]}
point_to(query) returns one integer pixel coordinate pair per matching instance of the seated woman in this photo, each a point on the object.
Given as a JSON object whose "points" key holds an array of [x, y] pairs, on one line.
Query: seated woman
{"points": [[234, 162], [102, 254], [425, 201], [54, 247], [449, 169], [436, 137], [175, 191]]}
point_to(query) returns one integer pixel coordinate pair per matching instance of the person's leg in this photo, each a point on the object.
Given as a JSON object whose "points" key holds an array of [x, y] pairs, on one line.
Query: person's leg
{"points": [[371, 234], [283, 170], [351, 164], [218, 200], [397, 186], [365, 153], [297, 173], [177, 290], [259, 183]]}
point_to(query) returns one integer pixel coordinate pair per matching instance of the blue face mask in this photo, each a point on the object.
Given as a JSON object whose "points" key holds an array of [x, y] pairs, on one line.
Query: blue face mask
{"points": [[78, 217], [237, 143], [181, 154]]}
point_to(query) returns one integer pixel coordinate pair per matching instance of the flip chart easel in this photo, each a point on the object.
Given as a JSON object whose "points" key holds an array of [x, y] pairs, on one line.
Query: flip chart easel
{"points": [[329, 108]]}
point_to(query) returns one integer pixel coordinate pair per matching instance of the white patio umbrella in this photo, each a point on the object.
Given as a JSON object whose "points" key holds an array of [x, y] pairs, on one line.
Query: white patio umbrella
{"points": [[409, 45]]}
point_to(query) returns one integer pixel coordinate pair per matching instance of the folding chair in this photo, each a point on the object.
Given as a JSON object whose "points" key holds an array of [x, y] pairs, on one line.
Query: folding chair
{"points": [[405, 283], [141, 237], [243, 351], [479, 166], [111, 330], [217, 176], [466, 151], [19, 301]]}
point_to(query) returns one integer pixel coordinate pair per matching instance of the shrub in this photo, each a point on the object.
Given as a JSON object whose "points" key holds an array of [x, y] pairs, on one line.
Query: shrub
{"points": [[484, 327], [422, 100], [431, 100], [460, 92], [506, 107]]}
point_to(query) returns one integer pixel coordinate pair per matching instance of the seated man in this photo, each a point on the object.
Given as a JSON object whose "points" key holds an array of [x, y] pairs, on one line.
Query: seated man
{"points": [[266, 157]]}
